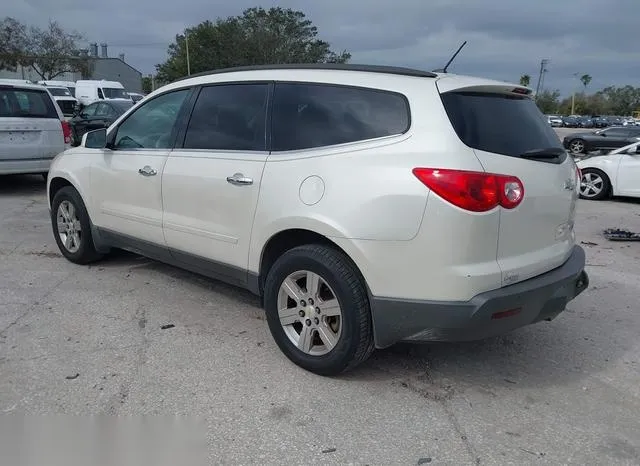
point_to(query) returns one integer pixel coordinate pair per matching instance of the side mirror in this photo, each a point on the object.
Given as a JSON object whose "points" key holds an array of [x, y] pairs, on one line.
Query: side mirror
{"points": [[96, 139]]}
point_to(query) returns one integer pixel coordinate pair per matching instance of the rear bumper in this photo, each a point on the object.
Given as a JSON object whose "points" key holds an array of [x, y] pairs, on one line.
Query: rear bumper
{"points": [[539, 298], [27, 166]]}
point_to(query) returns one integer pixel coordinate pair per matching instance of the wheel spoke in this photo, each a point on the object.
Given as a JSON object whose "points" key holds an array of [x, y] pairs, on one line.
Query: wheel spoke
{"points": [[62, 227], [68, 242], [306, 339], [293, 290], [64, 211], [288, 316], [71, 211], [76, 239], [77, 225], [327, 336], [313, 284], [330, 308]]}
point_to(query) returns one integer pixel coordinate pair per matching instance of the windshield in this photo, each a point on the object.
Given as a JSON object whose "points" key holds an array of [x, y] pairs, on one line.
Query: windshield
{"points": [[498, 123], [26, 103], [121, 107], [60, 91], [114, 93]]}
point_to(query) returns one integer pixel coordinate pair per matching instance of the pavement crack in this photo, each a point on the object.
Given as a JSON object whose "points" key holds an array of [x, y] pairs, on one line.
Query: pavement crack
{"points": [[120, 398], [33, 306]]}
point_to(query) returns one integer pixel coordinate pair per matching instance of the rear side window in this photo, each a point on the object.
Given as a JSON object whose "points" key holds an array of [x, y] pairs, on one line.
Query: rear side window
{"points": [[26, 103], [229, 117], [503, 124], [317, 115]]}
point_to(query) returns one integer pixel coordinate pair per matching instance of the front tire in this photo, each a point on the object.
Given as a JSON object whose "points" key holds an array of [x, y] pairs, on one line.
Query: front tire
{"points": [[317, 309], [72, 227], [594, 184]]}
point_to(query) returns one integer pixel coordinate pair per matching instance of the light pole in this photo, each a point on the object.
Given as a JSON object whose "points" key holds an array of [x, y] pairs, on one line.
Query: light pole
{"points": [[186, 39], [543, 64], [573, 96]]}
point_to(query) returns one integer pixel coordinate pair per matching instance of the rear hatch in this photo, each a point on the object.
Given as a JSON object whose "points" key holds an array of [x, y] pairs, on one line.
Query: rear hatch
{"points": [[30, 126], [510, 136]]}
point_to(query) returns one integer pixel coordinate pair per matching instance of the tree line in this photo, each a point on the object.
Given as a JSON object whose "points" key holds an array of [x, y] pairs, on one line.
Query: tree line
{"points": [[257, 36], [50, 52]]}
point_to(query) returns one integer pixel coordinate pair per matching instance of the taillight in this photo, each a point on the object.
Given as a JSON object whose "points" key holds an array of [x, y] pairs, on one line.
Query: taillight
{"points": [[66, 131], [473, 191]]}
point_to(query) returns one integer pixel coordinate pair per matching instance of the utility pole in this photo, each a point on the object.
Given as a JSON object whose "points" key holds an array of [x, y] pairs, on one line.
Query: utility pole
{"points": [[543, 64], [186, 39], [573, 97]]}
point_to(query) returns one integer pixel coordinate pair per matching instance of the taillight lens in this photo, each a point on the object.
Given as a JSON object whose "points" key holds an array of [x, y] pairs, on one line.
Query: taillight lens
{"points": [[473, 191], [66, 131]]}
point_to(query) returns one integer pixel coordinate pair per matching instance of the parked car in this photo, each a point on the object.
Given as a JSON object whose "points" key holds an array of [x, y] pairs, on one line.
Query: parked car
{"points": [[570, 122], [604, 139], [614, 174], [95, 116], [599, 121], [555, 121], [341, 195], [90, 91], [68, 84], [32, 129], [64, 99]]}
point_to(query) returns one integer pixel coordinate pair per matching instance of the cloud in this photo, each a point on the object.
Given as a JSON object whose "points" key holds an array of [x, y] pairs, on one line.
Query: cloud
{"points": [[506, 38]]}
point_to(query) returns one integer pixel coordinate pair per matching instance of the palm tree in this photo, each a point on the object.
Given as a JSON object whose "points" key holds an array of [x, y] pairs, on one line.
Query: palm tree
{"points": [[525, 80], [586, 79]]}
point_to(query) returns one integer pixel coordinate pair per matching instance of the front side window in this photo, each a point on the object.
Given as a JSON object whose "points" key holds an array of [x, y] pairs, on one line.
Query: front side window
{"points": [[115, 93], [103, 110], [151, 126], [318, 115], [229, 117]]}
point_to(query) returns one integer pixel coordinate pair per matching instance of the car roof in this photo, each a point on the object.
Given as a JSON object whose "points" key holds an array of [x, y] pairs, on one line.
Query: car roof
{"points": [[20, 85]]}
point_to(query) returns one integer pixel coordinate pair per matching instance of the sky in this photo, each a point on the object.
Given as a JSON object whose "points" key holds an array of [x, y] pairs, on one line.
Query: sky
{"points": [[506, 38]]}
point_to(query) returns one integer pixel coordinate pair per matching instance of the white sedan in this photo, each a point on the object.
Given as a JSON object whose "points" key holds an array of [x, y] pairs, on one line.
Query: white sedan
{"points": [[614, 174]]}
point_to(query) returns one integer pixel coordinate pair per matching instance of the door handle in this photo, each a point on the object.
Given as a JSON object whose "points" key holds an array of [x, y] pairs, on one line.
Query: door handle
{"points": [[239, 179], [147, 171]]}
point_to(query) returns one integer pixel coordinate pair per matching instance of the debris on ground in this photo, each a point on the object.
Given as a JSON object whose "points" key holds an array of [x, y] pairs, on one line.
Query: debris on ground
{"points": [[424, 460], [616, 234], [329, 450], [71, 377], [167, 326], [588, 243]]}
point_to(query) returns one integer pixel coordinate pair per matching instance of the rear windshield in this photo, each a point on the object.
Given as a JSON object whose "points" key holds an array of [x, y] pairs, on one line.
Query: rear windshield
{"points": [[26, 103], [60, 91], [503, 124], [114, 93]]}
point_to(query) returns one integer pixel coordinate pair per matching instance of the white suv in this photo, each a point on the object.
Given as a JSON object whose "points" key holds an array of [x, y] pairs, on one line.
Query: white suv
{"points": [[366, 205], [32, 128]]}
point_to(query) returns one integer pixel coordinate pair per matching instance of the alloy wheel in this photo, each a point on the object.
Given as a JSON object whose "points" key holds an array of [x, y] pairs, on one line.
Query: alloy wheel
{"points": [[591, 185], [69, 227], [309, 313]]}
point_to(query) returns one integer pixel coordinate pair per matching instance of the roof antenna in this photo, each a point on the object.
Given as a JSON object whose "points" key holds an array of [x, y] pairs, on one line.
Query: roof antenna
{"points": [[444, 70]]}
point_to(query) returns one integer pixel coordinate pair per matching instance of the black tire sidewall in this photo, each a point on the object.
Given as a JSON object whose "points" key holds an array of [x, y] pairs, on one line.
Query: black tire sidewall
{"points": [[86, 252], [350, 300]]}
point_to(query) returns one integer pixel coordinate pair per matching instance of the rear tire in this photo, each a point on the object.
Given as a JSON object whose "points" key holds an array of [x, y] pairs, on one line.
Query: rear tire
{"points": [[578, 146], [594, 185], [308, 329], [72, 227]]}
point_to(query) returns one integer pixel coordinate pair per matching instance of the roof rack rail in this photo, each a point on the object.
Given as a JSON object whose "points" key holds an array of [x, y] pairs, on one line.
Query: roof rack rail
{"points": [[321, 66]]}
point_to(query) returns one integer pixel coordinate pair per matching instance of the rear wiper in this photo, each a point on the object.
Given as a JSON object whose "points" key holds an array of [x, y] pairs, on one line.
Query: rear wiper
{"points": [[549, 153]]}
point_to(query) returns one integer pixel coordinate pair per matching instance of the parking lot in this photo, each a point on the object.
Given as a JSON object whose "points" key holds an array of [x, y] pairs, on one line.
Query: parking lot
{"points": [[132, 336]]}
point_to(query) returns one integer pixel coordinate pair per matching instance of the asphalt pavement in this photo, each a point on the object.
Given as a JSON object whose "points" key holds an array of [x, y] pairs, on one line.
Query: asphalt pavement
{"points": [[129, 336]]}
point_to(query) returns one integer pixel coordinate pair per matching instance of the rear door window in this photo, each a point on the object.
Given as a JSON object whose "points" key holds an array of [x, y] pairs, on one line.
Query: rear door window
{"points": [[229, 117], [502, 124], [26, 103], [309, 115]]}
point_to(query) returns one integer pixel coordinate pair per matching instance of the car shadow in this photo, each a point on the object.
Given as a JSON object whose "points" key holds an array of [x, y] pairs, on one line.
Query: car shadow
{"points": [[21, 185]]}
